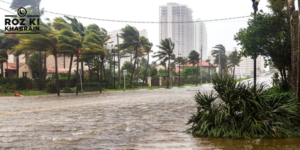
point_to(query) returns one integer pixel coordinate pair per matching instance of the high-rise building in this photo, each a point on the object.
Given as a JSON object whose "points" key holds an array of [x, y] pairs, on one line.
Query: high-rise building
{"points": [[182, 34], [200, 38]]}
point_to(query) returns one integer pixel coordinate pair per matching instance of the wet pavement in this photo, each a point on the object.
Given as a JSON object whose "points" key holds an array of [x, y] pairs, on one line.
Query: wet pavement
{"points": [[143, 119]]}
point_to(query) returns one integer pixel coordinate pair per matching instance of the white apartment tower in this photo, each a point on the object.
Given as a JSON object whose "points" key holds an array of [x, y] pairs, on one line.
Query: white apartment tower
{"points": [[200, 38], [182, 34]]}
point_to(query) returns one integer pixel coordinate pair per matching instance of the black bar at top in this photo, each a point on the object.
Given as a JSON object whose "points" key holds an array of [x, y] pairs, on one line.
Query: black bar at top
{"points": [[11, 16], [21, 33], [33, 15]]}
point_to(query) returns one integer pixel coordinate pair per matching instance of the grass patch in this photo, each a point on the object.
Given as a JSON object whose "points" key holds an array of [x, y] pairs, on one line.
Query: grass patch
{"points": [[25, 93]]}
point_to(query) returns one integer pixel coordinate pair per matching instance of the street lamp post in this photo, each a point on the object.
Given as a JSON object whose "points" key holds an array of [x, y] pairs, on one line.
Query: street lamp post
{"points": [[255, 8], [179, 57]]}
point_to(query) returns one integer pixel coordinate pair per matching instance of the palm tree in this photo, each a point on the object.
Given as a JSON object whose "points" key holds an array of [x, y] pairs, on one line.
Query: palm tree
{"points": [[131, 41], [165, 53], [7, 47], [93, 46], [47, 41], [218, 52], [234, 60], [193, 57], [147, 47], [80, 29]]}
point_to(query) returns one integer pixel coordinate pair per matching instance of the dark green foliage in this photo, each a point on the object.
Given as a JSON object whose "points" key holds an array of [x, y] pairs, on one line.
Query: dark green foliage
{"points": [[68, 90], [51, 87], [193, 57], [15, 83], [240, 110], [33, 62]]}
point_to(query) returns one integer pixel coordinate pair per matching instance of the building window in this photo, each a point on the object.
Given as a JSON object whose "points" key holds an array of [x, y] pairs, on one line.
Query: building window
{"points": [[25, 74]]}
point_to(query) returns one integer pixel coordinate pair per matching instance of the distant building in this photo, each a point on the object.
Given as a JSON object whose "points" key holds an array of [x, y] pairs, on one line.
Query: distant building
{"points": [[200, 38], [205, 67], [182, 34], [245, 68]]}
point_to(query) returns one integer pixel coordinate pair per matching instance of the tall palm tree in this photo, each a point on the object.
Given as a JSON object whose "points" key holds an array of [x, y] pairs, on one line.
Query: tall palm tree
{"points": [[47, 41], [194, 59], [131, 37], [147, 49], [219, 51], [80, 29], [6, 47], [93, 46], [234, 60], [165, 53]]}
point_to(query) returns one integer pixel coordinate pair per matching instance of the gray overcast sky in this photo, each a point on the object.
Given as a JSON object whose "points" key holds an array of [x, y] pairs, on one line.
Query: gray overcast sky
{"points": [[221, 32]]}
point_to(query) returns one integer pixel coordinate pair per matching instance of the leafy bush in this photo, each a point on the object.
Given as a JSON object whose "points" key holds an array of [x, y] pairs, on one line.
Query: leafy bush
{"points": [[15, 83], [240, 110], [51, 87], [68, 90]]}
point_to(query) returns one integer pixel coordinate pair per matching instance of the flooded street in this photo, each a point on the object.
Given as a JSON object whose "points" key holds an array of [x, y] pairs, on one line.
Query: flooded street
{"points": [[140, 119]]}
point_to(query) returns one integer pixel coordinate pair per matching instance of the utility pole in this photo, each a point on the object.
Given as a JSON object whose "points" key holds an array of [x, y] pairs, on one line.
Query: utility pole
{"points": [[119, 63], [201, 68]]}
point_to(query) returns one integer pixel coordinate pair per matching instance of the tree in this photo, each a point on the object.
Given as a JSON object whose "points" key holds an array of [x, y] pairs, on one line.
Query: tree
{"points": [[93, 46], [165, 53], [80, 29], [147, 46], [219, 52], [234, 60], [45, 41], [193, 57], [273, 43], [131, 41]]}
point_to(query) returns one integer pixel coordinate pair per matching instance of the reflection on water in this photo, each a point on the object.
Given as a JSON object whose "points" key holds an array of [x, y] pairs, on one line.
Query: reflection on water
{"points": [[259, 144]]}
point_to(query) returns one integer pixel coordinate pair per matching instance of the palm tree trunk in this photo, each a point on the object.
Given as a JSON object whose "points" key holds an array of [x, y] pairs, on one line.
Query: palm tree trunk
{"points": [[77, 75], [2, 73], [56, 74], [101, 70], [233, 71], [40, 70], [133, 69], [146, 69], [197, 73], [98, 71], [168, 83], [70, 70], [82, 78], [18, 68], [45, 71], [103, 62]]}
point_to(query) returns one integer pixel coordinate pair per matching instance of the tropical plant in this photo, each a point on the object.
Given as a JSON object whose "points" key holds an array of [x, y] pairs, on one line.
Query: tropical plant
{"points": [[193, 57], [131, 37], [80, 29], [234, 60], [240, 110], [165, 53], [45, 41], [219, 52]]}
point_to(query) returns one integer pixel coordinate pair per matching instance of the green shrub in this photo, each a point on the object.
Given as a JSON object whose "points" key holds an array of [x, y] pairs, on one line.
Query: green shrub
{"points": [[240, 110], [24, 84], [68, 90], [51, 87]]}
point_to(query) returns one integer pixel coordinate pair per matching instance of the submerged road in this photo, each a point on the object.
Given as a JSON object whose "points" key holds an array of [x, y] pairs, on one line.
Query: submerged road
{"points": [[143, 119]]}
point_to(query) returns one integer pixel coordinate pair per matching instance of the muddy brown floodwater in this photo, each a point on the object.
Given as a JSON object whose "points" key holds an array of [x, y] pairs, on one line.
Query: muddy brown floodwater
{"points": [[114, 120]]}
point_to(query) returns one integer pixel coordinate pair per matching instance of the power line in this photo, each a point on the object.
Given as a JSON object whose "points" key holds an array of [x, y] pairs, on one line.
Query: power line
{"points": [[126, 21], [7, 11]]}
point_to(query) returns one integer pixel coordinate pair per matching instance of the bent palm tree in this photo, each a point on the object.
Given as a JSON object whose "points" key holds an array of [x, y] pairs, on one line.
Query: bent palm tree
{"points": [[219, 50], [165, 53], [132, 41]]}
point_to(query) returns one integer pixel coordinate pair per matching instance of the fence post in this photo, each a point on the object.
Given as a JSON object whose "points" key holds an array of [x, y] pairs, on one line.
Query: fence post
{"points": [[160, 81], [149, 81]]}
